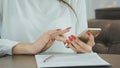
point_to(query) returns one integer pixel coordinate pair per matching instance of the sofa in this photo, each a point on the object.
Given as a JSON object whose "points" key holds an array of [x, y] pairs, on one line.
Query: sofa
{"points": [[112, 13], [108, 41]]}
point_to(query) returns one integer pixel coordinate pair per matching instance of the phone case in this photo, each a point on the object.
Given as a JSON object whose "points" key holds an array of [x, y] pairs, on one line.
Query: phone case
{"points": [[85, 37]]}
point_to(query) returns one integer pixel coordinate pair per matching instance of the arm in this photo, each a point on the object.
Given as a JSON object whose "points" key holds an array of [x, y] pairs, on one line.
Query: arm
{"points": [[43, 43]]}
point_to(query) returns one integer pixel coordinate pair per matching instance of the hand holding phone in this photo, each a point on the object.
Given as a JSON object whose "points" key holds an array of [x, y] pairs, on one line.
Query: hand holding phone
{"points": [[84, 36]]}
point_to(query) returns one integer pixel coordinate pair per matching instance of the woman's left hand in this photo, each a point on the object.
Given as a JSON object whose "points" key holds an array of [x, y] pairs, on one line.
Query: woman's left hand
{"points": [[80, 47]]}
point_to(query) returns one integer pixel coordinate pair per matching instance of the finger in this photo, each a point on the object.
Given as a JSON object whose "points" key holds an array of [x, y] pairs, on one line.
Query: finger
{"points": [[91, 41], [61, 38], [72, 38], [70, 46], [84, 47], [77, 46], [65, 30], [50, 32], [53, 33], [60, 32], [77, 40], [80, 43]]}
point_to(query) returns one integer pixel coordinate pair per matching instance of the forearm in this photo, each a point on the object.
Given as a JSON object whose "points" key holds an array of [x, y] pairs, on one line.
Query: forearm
{"points": [[25, 48], [44, 42]]}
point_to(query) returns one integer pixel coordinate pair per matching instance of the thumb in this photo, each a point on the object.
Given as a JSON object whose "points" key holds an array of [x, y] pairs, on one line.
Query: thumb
{"points": [[91, 41], [61, 38]]}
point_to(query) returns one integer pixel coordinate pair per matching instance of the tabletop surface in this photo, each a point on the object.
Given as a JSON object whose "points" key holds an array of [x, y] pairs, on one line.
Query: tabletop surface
{"points": [[28, 61]]}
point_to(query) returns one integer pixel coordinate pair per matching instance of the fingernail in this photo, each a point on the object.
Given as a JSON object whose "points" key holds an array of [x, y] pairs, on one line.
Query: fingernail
{"points": [[58, 29], [73, 37], [65, 43], [68, 42], [69, 28], [70, 38], [88, 33]]}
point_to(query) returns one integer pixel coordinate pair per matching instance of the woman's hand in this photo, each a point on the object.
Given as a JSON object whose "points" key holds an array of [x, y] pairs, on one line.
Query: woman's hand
{"points": [[44, 42], [47, 39], [78, 46]]}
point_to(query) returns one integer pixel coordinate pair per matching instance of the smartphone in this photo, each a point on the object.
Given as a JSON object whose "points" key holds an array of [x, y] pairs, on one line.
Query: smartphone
{"points": [[84, 36]]}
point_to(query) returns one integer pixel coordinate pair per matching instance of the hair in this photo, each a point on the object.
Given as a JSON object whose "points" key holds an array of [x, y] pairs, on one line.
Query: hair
{"points": [[66, 3]]}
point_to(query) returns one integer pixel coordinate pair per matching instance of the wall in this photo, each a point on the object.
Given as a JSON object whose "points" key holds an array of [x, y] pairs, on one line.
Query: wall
{"points": [[119, 3], [95, 4]]}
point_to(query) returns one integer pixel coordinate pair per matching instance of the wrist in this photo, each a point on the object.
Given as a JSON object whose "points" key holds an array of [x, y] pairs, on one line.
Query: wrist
{"points": [[35, 48]]}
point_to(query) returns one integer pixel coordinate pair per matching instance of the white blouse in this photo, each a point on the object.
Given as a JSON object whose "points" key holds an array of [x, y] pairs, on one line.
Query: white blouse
{"points": [[26, 20]]}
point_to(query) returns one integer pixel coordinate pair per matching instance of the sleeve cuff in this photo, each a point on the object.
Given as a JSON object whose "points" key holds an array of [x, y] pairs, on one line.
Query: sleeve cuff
{"points": [[7, 46]]}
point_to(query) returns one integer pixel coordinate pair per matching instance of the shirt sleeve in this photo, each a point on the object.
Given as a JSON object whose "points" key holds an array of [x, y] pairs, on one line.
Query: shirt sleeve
{"points": [[5, 44], [80, 8]]}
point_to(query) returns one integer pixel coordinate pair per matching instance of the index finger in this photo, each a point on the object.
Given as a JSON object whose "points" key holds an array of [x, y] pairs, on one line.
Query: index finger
{"points": [[65, 30], [60, 32]]}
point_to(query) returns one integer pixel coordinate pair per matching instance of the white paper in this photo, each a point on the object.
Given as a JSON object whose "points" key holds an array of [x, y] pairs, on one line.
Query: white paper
{"points": [[64, 60]]}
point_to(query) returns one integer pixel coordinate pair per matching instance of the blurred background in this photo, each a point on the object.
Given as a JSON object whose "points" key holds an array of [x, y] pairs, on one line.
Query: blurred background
{"points": [[105, 14], [96, 4]]}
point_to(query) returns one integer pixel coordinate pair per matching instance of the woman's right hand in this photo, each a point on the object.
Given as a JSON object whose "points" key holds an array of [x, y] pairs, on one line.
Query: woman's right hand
{"points": [[44, 42], [47, 39]]}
